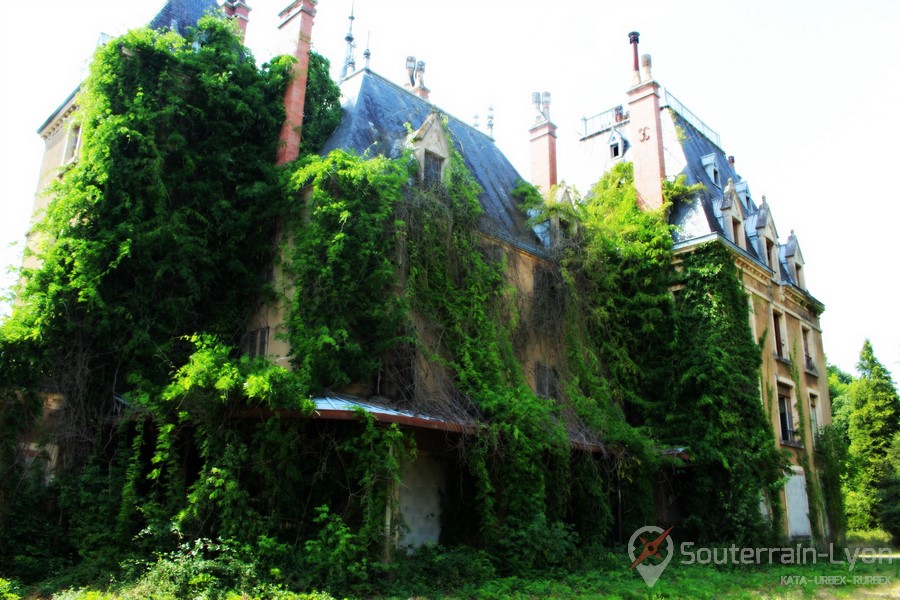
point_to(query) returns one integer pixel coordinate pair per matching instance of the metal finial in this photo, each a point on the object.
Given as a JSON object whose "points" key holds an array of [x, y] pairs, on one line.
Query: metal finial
{"points": [[349, 60], [490, 121], [475, 121]]}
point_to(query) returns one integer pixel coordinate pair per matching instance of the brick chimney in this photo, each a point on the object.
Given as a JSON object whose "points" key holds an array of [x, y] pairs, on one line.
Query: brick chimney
{"points": [[646, 133], [296, 24], [543, 144], [239, 10]]}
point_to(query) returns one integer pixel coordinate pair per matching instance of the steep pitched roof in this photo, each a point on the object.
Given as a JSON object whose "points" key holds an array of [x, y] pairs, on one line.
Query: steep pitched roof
{"points": [[376, 121], [178, 15]]}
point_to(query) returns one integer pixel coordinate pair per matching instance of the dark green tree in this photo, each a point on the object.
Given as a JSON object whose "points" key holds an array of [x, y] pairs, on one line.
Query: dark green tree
{"points": [[874, 420]]}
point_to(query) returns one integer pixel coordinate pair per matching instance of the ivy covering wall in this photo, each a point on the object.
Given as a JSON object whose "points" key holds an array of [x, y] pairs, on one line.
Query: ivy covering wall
{"points": [[154, 253]]}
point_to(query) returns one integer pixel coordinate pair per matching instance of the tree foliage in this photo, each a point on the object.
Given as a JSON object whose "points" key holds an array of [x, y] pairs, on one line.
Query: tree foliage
{"points": [[873, 422], [162, 226]]}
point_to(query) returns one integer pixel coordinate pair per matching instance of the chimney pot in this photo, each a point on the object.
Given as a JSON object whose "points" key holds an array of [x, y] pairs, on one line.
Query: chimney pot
{"points": [[633, 38], [731, 160], [420, 73], [645, 68], [411, 70]]}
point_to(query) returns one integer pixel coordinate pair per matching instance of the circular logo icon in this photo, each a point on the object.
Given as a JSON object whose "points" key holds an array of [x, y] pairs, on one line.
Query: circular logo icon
{"points": [[650, 549]]}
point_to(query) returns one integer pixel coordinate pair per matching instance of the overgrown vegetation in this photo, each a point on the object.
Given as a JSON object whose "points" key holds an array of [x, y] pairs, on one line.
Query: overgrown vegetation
{"points": [[197, 470], [716, 407]]}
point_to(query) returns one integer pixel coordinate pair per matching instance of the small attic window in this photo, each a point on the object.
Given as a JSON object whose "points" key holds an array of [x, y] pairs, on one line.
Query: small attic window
{"points": [[615, 150], [433, 166], [615, 146], [712, 171]]}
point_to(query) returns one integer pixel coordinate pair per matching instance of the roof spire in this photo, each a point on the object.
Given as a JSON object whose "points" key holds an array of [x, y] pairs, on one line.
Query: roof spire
{"points": [[349, 61], [368, 53]]}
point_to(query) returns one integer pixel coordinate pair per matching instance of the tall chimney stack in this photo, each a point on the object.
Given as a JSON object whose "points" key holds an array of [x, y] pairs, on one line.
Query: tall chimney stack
{"points": [[543, 144], [296, 23], [646, 134], [240, 11]]}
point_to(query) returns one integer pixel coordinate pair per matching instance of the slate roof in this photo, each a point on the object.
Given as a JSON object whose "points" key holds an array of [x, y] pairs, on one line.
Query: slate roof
{"points": [[377, 114], [178, 15], [699, 217], [702, 216]]}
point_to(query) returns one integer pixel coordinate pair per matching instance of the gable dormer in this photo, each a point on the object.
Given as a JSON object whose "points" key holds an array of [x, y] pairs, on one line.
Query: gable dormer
{"points": [[743, 192], [431, 149], [767, 239], [618, 145], [733, 215], [793, 261]]}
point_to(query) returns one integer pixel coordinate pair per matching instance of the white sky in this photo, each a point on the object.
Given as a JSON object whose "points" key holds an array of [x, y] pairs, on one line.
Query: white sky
{"points": [[803, 94]]}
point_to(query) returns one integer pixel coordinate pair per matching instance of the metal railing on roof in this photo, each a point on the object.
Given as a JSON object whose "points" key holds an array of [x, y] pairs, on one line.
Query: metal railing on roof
{"points": [[608, 119], [603, 121], [667, 99]]}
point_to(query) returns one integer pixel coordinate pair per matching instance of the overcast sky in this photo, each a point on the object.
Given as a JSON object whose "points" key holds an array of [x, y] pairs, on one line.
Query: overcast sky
{"points": [[803, 94]]}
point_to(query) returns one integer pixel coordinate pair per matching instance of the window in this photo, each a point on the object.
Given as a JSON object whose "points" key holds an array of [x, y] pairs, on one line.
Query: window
{"points": [[433, 165], [809, 361], [545, 381], [770, 248], [814, 416], [712, 170], [615, 151], [777, 324], [736, 232], [256, 342], [786, 415], [73, 140]]}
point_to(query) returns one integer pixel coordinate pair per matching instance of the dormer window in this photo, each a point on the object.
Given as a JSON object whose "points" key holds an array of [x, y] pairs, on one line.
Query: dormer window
{"points": [[793, 258], [615, 147], [431, 149], [433, 167], [743, 192], [712, 171], [618, 145]]}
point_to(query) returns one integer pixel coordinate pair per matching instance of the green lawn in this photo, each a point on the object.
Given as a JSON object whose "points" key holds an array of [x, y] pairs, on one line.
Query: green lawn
{"points": [[873, 576]]}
